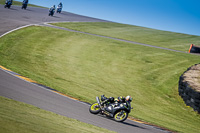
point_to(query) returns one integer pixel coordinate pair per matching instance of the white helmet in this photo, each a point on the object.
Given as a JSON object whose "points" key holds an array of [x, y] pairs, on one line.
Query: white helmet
{"points": [[128, 98]]}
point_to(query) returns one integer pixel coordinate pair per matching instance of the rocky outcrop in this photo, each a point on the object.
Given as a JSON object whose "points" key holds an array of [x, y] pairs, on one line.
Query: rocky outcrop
{"points": [[189, 87]]}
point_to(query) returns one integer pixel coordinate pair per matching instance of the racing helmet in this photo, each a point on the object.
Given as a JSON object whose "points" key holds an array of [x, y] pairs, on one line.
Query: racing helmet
{"points": [[128, 98]]}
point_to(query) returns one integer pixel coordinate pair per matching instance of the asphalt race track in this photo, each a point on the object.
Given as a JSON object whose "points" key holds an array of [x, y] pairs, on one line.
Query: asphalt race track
{"points": [[21, 90]]}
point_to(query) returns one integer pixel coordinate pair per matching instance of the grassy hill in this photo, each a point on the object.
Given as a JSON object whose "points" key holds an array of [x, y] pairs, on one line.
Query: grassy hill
{"points": [[172, 40], [86, 66]]}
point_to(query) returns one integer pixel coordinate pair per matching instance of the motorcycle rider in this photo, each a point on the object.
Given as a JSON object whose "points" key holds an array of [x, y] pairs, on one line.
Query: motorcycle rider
{"points": [[24, 4], [7, 1], [52, 8], [25, 1], [59, 8], [124, 100], [118, 100], [110, 103], [118, 108], [60, 5]]}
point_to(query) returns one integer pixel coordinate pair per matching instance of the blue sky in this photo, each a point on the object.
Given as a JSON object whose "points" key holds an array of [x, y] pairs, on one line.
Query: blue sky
{"points": [[181, 16]]}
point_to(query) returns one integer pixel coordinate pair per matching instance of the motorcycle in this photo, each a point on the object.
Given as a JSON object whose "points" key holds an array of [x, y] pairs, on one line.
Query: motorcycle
{"points": [[8, 4], [24, 5], [51, 12], [118, 111], [59, 9]]}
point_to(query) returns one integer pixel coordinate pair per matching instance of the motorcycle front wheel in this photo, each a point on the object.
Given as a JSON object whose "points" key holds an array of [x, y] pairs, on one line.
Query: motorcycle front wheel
{"points": [[94, 108], [121, 116]]}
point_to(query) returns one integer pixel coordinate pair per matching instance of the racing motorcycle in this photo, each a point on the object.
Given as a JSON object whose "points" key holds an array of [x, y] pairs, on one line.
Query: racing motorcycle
{"points": [[51, 12], [8, 4], [59, 9], [118, 111], [24, 5]]}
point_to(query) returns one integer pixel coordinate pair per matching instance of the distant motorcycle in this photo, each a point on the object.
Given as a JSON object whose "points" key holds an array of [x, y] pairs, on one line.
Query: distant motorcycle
{"points": [[51, 12], [118, 111], [24, 5], [59, 9], [8, 4]]}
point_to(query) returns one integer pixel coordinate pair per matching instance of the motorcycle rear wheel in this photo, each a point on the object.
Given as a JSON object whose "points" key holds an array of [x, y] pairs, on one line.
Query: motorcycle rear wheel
{"points": [[94, 108], [121, 116]]}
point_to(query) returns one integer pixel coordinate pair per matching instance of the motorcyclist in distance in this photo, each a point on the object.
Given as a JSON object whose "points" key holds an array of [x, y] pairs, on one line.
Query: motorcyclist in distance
{"points": [[24, 4], [52, 8], [59, 8], [25, 1], [60, 5], [9, 1]]}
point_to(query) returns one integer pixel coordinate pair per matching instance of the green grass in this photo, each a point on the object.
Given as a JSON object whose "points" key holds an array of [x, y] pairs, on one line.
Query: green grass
{"points": [[86, 66], [154, 37], [18, 117], [17, 3]]}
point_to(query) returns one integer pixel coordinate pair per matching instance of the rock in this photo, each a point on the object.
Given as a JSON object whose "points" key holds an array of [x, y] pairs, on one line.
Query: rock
{"points": [[189, 87]]}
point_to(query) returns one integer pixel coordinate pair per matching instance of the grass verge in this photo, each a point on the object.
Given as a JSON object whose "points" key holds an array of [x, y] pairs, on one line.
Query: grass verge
{"points": [[18, 117], [86, 66], [172, 40]]}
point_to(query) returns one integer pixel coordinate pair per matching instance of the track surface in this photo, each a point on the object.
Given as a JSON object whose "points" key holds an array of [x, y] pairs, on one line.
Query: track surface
{"points": [[20, 90]]}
